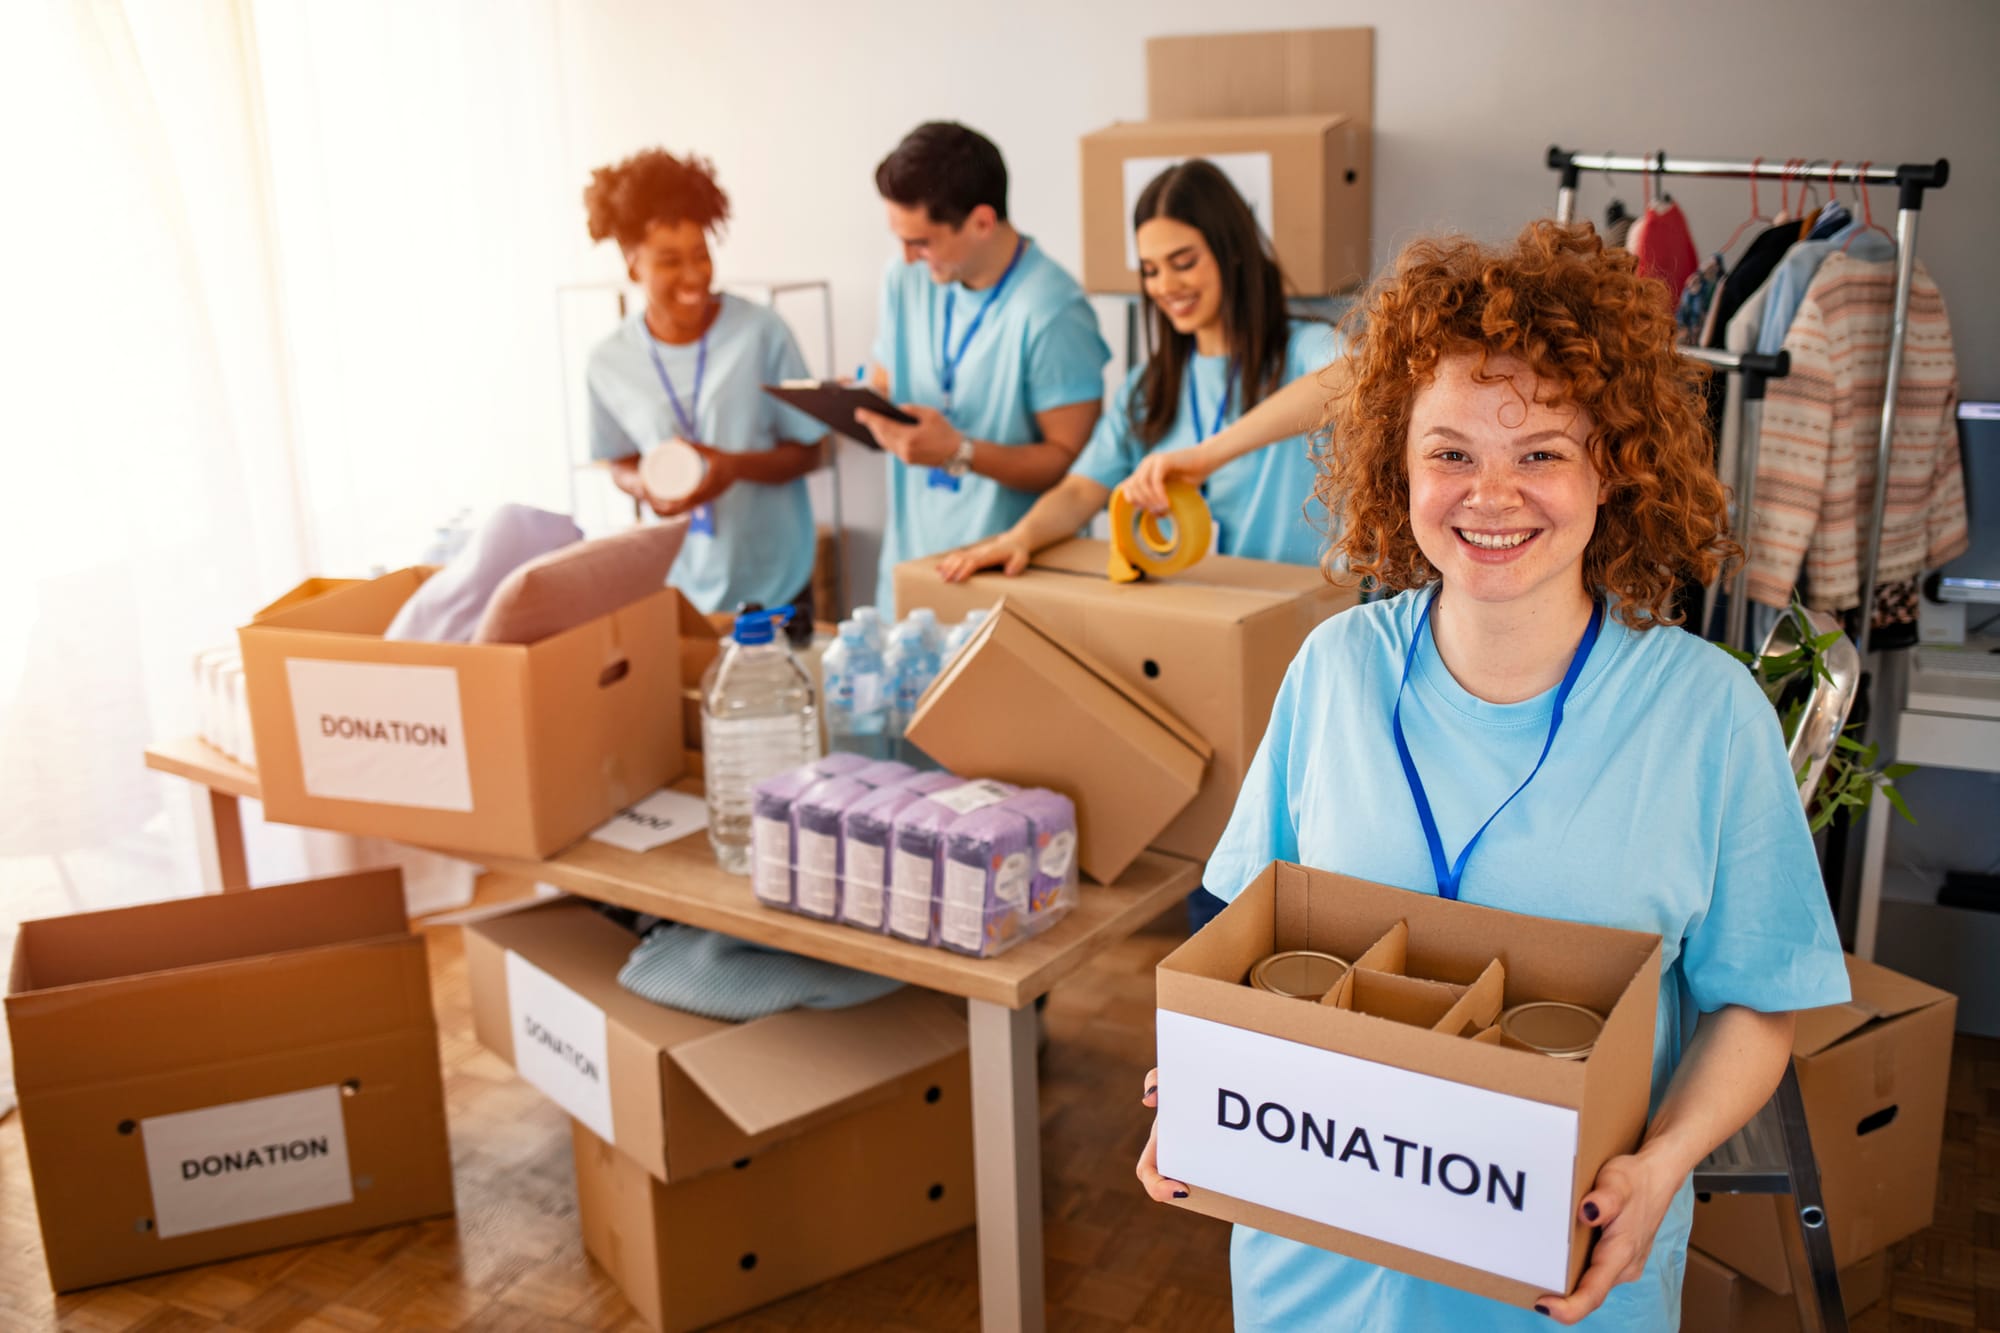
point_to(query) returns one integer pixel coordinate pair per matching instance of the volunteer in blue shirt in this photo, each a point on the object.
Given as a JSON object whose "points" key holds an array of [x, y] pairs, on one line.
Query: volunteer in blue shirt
{"points": [[691, 366], [1521, 455], [985, 340], [1221, 343]]}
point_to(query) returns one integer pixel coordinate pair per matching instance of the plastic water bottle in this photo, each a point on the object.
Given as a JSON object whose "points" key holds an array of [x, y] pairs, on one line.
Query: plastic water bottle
{"points": [[871, 622], [926, 620], [961, 632], [758, 719], [912, 665], [857, 693]]}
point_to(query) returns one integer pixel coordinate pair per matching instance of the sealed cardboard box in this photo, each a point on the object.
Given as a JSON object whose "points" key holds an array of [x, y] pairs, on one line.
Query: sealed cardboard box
{"points": [[1428, 1147], [1210, 646], [1024, 705], [1873, 1073], [1274, 73], [510, 749], [678, 1093], [1306, 178], [212, 1077], [1717, 1299], [833, 1199]]}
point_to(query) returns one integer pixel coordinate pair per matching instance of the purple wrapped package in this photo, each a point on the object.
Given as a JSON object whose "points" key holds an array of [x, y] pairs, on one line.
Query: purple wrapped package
{"points": [[864, 857], [917, 854], [771, 855], [988, 861], [816, 843], [883, 773], [1052, 889]]}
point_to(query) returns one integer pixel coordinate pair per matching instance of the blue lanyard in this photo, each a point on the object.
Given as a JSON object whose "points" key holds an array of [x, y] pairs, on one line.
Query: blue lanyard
{"points": [[689, 420], [948, 360], [1221, 408], [1449, 875]]}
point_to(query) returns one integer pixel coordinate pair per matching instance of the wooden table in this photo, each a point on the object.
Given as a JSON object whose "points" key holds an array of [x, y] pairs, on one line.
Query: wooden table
{"points": [[681, 881]]}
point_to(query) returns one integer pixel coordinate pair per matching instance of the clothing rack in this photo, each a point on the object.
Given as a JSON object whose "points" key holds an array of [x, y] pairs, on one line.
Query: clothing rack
{"points": [[1911, 181], [1757, 369]]}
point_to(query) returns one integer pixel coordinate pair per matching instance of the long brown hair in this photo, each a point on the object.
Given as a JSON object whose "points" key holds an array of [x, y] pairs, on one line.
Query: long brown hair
{"points": [[1254, 323]]}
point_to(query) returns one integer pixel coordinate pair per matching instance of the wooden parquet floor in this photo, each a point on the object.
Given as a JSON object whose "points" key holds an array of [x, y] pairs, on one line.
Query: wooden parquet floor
{"points": [[512, 1258]]}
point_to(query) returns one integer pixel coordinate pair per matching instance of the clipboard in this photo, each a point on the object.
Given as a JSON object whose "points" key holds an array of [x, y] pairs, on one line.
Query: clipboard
{"points": [[832, 402]]}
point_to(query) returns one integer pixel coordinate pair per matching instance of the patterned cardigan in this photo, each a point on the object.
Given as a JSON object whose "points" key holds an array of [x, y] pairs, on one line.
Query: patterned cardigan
{"points": [[1822, 422]]}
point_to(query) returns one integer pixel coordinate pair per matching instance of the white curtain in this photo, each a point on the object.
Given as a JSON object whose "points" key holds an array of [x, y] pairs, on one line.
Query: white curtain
{"points": [[276, 298]]}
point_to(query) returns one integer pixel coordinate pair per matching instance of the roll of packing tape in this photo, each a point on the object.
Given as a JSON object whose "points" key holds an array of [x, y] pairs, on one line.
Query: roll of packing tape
{"points": [[671, 471], [1158, 546]]}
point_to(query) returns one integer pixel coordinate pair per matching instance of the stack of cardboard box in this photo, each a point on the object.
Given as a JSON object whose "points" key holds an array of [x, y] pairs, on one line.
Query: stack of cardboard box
{"points": [[723, 1165]]}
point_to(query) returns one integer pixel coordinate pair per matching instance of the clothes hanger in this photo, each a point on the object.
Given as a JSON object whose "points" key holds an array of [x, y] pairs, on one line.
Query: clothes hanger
{"points": [[1867, 212], [1756, 213]]}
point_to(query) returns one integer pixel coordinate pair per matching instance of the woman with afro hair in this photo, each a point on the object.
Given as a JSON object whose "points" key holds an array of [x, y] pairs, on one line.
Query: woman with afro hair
{"points": [[1521, 458], [690, 366]]}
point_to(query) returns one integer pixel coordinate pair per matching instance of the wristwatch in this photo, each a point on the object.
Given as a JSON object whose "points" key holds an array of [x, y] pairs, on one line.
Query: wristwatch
{"points": [[960, 461]]}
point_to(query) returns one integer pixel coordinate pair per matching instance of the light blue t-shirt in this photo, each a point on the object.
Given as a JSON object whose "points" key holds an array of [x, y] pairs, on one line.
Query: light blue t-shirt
{"points": [[761, 549], [1666, 805], [1038, 349], [1262, 502]]}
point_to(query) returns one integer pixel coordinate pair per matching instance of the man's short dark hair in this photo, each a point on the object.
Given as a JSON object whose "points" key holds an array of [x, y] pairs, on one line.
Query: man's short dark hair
{"points": [[948, 169]]}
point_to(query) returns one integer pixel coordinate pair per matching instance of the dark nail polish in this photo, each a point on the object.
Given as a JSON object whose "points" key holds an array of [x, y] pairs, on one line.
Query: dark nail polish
{"points": [[1150, 1091], [1590, 1212], [1180, 1194], [1542, 1309]]}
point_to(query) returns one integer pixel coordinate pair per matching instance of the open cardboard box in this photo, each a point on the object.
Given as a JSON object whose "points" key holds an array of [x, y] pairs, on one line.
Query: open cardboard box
{"points": [[1873, 1074], [678, 1093], [211, 1077], [832, 1199], [1210, 646], [1717, 1299], [510, 749], [1458, 1160], [1022, 704]]}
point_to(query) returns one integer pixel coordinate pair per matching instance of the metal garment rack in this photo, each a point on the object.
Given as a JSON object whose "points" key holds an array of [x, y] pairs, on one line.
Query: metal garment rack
{"points": [[1911, 181], [1757, 369]]}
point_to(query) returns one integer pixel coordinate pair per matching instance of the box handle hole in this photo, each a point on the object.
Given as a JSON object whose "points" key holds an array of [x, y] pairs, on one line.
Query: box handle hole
{"points": [[614, 673], [747, 1262], [1151, 668], [936, 1193], [740, 1163], [128, 1126], [1350, 176], [143, 1225], [1880, 1120], [350, 1087], [932, 1093]]}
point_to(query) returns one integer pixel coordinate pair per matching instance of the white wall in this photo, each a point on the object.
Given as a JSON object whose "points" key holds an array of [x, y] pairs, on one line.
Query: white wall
{"points": [[797, 101]]}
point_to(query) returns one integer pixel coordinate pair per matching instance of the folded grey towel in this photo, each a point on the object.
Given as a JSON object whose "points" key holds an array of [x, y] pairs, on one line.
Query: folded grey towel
{"points": [[718, 976]]}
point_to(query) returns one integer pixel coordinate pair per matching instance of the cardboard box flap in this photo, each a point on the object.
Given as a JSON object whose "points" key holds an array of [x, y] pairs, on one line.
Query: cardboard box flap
{"points": [[1251, 586], [344, 606], [781, 1069], [194, 932], [1879, 994], [307, 591], [1004, 609]]}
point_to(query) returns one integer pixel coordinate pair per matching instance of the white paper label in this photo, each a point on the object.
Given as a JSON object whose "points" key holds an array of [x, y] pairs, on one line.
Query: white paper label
{"points": [[963, 920], [771, 860], [664, 817], [1463, 1173], [818, 881], [910, 897], [374, 731], [1010, 881], [1058, 849], [246, 1161], [972, 796], [862, 901], [559, 1044], [1250, 173], [868, 692]]}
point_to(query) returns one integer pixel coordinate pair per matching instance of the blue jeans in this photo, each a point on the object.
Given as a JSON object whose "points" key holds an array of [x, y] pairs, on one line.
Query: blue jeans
{"points": [[1202, 908]]}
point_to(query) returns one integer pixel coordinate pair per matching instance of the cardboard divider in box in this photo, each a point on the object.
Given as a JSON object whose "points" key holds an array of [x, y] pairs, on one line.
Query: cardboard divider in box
{"points": [[1873, 1074], [509, 749], [678, 1093], [1458, 1160], [1380, 984], [1024, 704], [832, 1199], [1209, 646], [211, 1077]]}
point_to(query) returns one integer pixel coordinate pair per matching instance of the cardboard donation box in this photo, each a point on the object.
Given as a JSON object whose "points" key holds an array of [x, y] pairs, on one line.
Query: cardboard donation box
{"points": [[836, 1198], [1209, 646], [1305, 177], [1873, 1074], [1717, 1299], [212, 1077], [508, 749], [678, 1093], [1393, 1119], [1021, 704]]}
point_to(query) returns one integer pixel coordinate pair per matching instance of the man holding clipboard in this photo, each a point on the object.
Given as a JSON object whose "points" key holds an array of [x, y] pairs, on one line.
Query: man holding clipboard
{"points": [[985, 340]]}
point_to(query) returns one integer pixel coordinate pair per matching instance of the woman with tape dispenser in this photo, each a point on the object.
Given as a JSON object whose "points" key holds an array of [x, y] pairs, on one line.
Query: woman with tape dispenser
{"points": [[1222, 342], [1520, 456], [677, 408]]}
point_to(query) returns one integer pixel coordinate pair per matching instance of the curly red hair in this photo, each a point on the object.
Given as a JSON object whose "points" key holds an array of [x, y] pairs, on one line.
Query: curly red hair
{"points": [[1599, 337], [653, 186]]}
